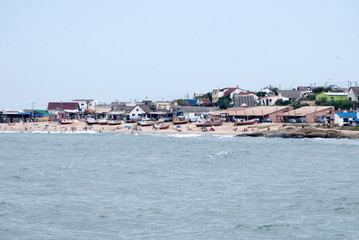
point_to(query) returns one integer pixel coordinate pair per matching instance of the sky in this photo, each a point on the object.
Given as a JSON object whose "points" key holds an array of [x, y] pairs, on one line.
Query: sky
{"points": [[164, 50]]}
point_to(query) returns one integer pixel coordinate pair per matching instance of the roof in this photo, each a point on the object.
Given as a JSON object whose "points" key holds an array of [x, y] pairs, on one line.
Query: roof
{"points": [[346, 114], [83, 100], [63, 106], [192, 101], [228, 92], [103, 109], [197, 109], [145, 108], [269, 97], [303, 111], [355, 91], [335, 93], [204, 100], [248, 100], [40, 113], [292, 94], [253, 111]]}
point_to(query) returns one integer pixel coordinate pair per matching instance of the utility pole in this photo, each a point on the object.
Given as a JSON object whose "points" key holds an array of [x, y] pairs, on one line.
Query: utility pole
{"points": [[32, 108]]}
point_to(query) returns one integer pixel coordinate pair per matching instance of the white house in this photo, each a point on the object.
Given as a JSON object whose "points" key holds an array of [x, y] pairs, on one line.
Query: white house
{"points": [[138, 111], [344, 118], [190, 112], [86, 104], [353, 94], [225, 92], [271, 100]]}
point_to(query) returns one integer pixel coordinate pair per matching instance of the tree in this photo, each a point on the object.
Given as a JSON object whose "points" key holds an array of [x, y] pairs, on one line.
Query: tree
{"points": [[182, 102], [280, 102], [261, 94]]}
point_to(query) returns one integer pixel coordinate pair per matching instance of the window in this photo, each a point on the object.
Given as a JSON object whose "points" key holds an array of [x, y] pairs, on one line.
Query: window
{"points": [[345, 119], [137, 109]]}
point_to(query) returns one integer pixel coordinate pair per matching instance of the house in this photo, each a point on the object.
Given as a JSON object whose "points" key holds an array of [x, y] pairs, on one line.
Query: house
{"points": [[139, 111], [162, 113], [248, 99], [292, 95], [203, 101], [260, 112], [190, 112], [225, 92], [15, 116], [86, 104], [353, 94], [344, 118], [335, 88], [163, 105], [309, 113], [331, 96], [64, 109], [304, 89], [102, 112], [271, 100], [196, 95]]}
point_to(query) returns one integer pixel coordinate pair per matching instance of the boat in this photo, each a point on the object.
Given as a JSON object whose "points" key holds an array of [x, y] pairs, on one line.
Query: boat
{"points": [[209, 124], [145, 123], [114, 122], [66, 121], [244, 122], [102, 121], [179, 121], [161, 126], [131, 121], [91, 120]]}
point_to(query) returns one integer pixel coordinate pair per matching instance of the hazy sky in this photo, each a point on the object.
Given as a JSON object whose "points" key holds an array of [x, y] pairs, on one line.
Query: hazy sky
{"points": [[122, 50]]}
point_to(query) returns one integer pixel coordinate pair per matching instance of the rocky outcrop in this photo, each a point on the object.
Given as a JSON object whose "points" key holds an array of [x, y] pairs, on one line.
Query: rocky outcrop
{"points": [[308, 132]]}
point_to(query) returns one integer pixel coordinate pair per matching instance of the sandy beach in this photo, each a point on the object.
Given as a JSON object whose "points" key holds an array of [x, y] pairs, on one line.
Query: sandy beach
{"points": [[263, 129], [81, 126]]}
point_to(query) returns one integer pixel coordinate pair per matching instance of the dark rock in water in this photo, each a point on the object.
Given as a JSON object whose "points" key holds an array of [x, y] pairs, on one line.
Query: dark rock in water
{"points": [[291, 132]]}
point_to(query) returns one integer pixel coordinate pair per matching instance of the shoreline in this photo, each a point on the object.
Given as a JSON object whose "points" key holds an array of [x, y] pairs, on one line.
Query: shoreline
{"points": [[279, 130]]}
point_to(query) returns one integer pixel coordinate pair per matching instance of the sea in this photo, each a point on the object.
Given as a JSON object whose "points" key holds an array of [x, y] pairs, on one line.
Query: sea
{"points": [[138, 186]]}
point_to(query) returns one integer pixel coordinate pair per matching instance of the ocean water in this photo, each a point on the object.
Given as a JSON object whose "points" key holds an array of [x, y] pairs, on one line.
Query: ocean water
{"points": [[123, 186]]}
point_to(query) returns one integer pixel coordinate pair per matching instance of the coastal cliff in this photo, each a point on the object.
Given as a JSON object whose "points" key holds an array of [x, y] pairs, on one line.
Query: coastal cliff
{"points": [[308, 132]]}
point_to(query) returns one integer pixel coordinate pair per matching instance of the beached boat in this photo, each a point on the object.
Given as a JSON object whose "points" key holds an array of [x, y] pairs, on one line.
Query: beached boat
{"points": [[114, 122], [210, 124], [102, 121], [131, 121], [162, 126], [145, 123], [66, 121], [178, 121], [244, 122], [91, 121]]}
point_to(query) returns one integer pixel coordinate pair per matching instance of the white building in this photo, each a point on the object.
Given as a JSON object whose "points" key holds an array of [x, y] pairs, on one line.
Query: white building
{"points": [[271, 100], [87, 104], [225, 92], [138, 112], [353, 94], [344, 118]]}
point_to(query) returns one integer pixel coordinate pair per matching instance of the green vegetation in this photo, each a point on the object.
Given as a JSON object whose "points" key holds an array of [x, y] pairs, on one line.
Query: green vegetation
{"points": [[320, 90], [342, 104], [280, 102], [352, 128], [261, 94], [182, 102], [207, 95], [224, 102]]}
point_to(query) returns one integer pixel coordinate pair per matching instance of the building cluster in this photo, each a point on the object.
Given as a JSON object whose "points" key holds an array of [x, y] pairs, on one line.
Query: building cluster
{"points": [[220, 104]]}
